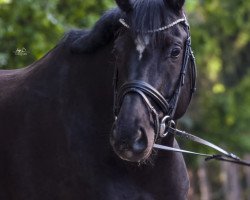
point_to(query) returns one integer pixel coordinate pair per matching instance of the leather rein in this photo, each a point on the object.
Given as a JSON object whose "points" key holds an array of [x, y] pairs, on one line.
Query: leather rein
{"points": [[166, 125]]}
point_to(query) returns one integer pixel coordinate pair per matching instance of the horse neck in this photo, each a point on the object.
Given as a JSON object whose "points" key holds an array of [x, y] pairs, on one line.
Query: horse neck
{"points": [[87, 90], [84, 80]]}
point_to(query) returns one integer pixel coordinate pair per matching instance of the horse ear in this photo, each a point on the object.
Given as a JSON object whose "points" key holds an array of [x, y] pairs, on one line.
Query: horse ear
{"points": [[176, 4], [124, 5], [101, 34]]}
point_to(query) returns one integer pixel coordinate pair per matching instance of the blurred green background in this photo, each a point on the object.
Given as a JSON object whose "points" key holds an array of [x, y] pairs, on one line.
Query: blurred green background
{"points": [[220, 110]]}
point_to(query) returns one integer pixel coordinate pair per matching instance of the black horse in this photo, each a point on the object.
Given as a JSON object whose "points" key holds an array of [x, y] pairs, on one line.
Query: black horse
{"points": [[56, 114]]}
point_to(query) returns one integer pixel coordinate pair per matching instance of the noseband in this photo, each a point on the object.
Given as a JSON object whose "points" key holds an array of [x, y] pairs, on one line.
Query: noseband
{"points": [[145, 90]]}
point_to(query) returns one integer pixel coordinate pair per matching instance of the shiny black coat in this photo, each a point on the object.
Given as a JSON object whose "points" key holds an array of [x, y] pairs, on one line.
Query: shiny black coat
{"points": [[55, 119]]}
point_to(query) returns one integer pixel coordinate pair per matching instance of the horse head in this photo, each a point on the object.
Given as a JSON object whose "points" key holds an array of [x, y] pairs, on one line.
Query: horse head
{"points": [[152, 53], [154, 70]]}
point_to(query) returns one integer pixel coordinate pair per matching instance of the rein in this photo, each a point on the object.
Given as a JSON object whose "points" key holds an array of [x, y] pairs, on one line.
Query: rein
{"points": [[224, 156], [166, 124]]}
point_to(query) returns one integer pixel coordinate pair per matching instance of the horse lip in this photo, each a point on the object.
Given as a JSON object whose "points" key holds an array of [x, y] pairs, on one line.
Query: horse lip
{"points": [[129, 156]]}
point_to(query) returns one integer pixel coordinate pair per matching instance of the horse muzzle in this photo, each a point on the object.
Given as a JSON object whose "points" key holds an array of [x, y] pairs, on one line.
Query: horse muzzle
{"points": [[130, 145]]}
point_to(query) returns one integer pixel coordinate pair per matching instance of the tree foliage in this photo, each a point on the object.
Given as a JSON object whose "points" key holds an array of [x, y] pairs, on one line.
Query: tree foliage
{"points": [[221, 39], [38, 25]]}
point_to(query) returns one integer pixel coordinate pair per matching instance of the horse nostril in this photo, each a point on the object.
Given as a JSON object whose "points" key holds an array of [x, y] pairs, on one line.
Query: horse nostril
{"points": [[138, 135], [140, 142], [123, 143]]}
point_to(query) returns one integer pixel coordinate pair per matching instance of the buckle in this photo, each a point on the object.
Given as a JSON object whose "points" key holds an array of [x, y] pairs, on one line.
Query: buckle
{"points": [[165, 123]]}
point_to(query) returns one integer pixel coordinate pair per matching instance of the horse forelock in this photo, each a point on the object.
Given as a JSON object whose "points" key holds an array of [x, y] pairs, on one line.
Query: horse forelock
{"points": [[150, 15]]}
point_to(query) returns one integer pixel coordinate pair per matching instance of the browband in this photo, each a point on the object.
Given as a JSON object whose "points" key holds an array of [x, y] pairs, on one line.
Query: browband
{"points": [[123, 22]]}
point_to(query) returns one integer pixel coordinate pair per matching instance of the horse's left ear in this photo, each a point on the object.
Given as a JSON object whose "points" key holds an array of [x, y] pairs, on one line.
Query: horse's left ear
{"points": [[176, 4]]}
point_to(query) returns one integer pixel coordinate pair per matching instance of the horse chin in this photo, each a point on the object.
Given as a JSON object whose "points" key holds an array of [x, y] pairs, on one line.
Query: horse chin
{"points": [[128, 156], [133, 158]]}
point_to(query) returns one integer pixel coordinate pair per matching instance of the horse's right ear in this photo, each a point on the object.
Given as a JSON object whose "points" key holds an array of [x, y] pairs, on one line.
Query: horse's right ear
{"points": [[124, 5]]}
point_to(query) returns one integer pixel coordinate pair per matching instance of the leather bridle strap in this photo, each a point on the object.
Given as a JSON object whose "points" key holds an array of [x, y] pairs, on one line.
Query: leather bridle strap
{"points": [[145, 88], [125, 90], [224, 156], [175, 99]]}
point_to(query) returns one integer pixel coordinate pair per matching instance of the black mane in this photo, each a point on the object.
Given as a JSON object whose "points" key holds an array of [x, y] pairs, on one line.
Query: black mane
{"points": [[73, 35], [101, 34]]}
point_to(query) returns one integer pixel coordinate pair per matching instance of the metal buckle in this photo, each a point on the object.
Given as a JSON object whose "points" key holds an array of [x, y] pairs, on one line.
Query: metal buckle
{"points": [[165, 123]]}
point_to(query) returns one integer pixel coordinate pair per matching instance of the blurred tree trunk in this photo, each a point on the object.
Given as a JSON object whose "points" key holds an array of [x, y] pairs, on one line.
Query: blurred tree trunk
{"points": [[204, 182], [192, 186], [231, 184], [247, 177]]}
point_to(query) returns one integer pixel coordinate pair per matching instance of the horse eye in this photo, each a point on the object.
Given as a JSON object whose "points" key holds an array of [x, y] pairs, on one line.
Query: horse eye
{"points": [[175, 53]]}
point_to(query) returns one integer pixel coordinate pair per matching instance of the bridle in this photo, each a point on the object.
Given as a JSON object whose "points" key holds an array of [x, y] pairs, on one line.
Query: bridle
{"points": [[166, 125], [145, 90]]}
